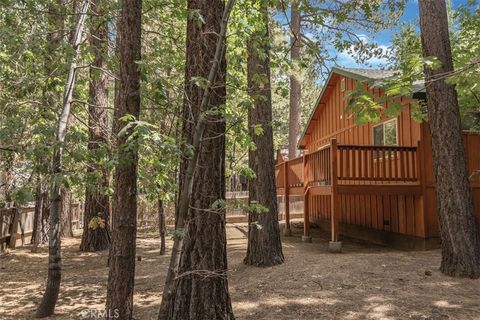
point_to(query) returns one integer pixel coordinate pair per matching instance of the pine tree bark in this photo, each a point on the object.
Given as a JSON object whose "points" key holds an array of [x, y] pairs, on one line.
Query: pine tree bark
{"points": [[97, 204], [295, 86], [458, 230], [196, 286], [50, 297], [37, 236], [121, 275], [264, 245], [161, 226], [66, 213]]}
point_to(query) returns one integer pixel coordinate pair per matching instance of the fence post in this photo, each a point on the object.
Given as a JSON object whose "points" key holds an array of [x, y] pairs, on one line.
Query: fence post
{"points": [[287, 231], [306, 212], [334, 245]]}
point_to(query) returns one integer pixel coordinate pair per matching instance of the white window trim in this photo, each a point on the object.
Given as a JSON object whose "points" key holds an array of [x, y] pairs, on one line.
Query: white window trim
{"points": [[383, 126]]}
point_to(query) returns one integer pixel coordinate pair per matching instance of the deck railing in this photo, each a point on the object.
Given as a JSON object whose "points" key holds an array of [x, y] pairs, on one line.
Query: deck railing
{"points": [[355, 165], [318, 167], [280, 174], [335, 169], [295, 176], [377, 164]]}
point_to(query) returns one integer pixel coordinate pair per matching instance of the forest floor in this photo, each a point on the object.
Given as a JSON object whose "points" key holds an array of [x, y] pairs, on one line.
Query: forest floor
{"points": [[364, 282]]}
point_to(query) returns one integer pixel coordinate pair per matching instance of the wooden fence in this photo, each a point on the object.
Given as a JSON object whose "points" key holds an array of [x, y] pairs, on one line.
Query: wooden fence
{"points": [[17, 224]]}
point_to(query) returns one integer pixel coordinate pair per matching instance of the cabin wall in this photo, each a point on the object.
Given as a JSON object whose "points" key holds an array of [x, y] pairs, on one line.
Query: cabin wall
{"points": [[407, 214], [411, 215], [401, 214], [330, 121], [392, 213], [472, 150]]}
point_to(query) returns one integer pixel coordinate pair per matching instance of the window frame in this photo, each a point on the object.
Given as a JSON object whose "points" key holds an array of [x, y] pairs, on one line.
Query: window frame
{"points": [[395, 120]]}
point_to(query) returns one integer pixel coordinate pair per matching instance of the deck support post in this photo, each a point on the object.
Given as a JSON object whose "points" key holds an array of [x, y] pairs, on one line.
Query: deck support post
{"points": [[334, 246], [287, 231], [306, 212], [306, 219]]}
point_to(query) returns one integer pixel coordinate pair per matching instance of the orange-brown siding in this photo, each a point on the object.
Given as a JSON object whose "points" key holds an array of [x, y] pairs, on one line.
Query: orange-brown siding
{"points": [[472, 149], [330, 121], [409, 214]]}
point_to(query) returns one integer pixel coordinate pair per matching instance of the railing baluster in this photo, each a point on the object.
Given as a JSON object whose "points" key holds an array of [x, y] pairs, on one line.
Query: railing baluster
{"points": [[407, 158], [372, 160], [402, 165], [384, 165], [359, 163], [354, 163], [414, 175], [341, 164], [390, 164]]}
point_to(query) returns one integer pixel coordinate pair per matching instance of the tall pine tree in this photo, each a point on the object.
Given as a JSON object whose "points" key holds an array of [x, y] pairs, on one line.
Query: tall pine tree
{"points": [[458, 229], [121, 277], [264, 244]]}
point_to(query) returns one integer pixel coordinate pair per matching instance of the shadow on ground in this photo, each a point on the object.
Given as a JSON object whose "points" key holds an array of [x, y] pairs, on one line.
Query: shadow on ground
{"points": [[364, 282]]}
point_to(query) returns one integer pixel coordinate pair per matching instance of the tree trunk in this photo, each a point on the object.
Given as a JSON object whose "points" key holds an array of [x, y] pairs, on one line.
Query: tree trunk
{"points": [[161, 226], [122, 256], [49, 300], [97, 204], [45, 215], [458, 229], [295, 86], [196, 286], [51, 100], [8, 179], [37, 236], [66, 213], [264, 244]]}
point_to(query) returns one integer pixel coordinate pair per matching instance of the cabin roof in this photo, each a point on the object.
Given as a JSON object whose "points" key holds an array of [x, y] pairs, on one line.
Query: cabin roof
{"points": [[364, 74], [359, 74]]}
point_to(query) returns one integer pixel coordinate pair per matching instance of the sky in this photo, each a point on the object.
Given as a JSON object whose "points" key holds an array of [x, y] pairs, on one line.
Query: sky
{"points": [[384, 38]]}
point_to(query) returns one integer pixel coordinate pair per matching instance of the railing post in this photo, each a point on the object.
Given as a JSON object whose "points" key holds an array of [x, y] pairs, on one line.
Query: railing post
{"points": [[305, 172], [287, 231], [306, 213], [334, 245]]}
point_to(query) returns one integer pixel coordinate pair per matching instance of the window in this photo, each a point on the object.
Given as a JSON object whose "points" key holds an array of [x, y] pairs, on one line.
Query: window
{"points": [[385, 134], [342, 85]]}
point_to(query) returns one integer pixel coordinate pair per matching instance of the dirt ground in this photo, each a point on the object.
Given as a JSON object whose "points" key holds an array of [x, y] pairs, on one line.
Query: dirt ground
{"points": [[364, 282]]}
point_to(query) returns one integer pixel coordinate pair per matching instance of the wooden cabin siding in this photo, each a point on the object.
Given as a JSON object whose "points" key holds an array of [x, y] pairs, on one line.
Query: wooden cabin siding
{"points": [[329, 121], [407, 211], [361, 188], [472, 150], [394, 213], [401, 214]]}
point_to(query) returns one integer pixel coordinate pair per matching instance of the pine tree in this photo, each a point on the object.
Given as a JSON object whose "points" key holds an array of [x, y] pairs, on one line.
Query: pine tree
{"points": [[458, 230]]}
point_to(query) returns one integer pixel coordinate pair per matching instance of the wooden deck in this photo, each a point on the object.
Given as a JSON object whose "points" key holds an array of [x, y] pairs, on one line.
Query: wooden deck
{"points": [[376, 187]]}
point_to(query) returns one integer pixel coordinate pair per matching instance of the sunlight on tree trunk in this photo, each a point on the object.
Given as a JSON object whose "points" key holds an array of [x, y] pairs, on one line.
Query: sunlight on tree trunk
{"points": [[121, 277], [458, 230], [295, 86], [202, 228], [97, 204], [264, 244]]}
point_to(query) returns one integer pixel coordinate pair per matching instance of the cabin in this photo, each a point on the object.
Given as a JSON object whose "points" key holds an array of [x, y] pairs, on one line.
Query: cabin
{"points": [[373, 182]]}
